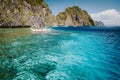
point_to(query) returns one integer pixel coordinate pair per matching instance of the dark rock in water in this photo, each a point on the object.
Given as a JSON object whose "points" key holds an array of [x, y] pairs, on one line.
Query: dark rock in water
{"points": [[20, 69], [74, 16], [42, 69], [24, 75], [99, 23], [7, 73], [25, 13]]}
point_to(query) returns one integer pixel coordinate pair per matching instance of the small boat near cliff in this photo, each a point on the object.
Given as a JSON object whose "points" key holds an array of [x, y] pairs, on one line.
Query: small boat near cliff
{"points": [[40, 29]]}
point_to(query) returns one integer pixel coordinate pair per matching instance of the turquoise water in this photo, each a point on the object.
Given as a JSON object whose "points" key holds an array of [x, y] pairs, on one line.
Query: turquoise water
{"points": [[59, 55]]}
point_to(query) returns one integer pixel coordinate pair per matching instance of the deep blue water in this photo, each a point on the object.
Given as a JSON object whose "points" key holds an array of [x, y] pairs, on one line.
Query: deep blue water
{"points": [[60, 54]]}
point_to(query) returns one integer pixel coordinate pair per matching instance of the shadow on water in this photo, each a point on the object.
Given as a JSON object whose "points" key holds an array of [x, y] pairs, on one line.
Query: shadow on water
{"points": [[86, 28]]}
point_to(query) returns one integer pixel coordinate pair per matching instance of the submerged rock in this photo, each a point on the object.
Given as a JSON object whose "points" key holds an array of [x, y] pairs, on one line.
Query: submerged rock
{"points": [[74, 16], [26, 76]]}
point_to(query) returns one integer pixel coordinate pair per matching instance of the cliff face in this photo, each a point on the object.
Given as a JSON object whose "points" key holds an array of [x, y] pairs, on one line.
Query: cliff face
{"points": [[25, 13], [74, 16], [37, 13]]}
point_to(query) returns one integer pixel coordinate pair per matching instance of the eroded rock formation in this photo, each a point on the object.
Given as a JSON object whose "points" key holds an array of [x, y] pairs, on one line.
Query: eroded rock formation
{"points": [[74, 16], [25, 13]]}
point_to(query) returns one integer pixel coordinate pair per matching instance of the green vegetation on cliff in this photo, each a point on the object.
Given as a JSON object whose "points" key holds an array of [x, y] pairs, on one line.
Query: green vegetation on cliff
{"points": [[74, 16], [34, 2], [37, 13], [25, 13]]}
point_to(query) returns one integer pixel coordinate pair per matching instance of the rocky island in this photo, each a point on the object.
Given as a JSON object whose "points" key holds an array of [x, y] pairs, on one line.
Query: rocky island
{"points": [[21, 13], [99, 23], [74, 16]]}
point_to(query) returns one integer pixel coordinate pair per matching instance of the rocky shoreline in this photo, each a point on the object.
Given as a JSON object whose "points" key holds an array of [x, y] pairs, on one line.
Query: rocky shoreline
{"points": [[15, 26]]}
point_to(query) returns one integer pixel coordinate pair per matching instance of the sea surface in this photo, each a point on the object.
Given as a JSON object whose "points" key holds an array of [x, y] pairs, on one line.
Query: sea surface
{"points": [[60, 54]]}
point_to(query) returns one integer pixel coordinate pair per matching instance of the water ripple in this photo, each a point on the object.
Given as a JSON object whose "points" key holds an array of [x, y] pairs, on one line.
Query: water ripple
{"points": [[60, 55]]}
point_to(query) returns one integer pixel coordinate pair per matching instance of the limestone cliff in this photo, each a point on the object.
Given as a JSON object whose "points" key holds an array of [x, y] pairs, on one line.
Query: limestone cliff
{"points": [[99, 23], [25, 13], [37, 13], [74, 16]]}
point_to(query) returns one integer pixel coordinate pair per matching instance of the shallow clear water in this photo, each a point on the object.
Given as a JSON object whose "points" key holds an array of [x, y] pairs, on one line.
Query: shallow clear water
{"points": [[59, 55]]}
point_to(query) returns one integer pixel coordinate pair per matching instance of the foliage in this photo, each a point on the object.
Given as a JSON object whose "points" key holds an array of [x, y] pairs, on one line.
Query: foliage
{"points": [[34, 2], [23, 21]]}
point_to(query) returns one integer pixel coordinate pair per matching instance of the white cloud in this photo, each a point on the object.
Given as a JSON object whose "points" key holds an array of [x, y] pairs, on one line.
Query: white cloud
{"points": [[109, 17]]}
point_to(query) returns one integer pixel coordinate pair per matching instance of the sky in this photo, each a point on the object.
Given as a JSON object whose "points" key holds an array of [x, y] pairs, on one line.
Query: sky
{"points": [[98, 9]]}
